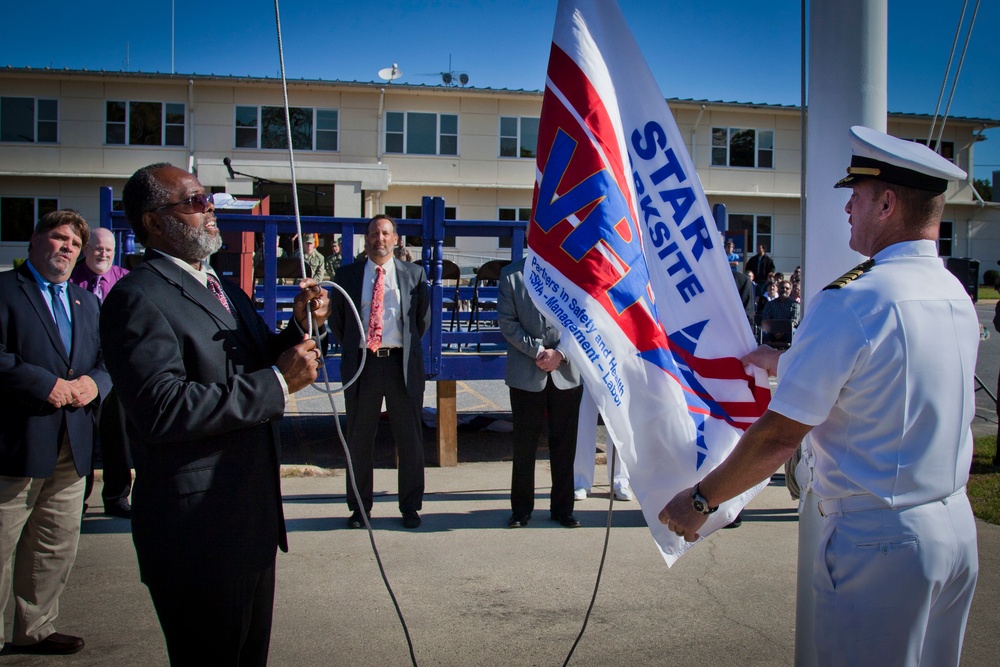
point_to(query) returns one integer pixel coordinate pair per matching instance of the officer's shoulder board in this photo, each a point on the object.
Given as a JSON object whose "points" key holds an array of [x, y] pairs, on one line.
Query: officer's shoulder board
{"points": [[851, 275]]}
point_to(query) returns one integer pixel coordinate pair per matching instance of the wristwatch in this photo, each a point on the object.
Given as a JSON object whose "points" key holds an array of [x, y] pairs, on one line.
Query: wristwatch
{"points": [[699, 503]]}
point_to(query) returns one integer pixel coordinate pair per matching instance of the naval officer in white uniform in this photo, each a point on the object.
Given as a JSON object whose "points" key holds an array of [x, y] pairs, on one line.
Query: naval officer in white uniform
{"points": [[880, 383]]}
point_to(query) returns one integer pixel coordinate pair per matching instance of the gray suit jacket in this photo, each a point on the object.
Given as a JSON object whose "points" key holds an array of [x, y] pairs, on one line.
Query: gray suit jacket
{"points": [[415, 306], [527, 333]]}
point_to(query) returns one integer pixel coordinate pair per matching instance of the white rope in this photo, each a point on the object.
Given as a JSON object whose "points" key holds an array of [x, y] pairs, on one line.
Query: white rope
{"points": [[954, 83], [935, 144], [947, 69], [313, 334]]}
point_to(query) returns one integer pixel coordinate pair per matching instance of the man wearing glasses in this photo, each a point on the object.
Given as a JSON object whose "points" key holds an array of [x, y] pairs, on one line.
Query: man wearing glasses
{"points": [[784, 307], [204, 384]]}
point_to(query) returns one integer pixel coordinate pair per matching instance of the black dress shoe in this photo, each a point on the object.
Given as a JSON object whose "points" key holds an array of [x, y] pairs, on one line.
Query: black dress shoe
{"points": [[411, 519], [567, 520], [55, 644], [356, 520], [736, 523], [516, 521], [119, 508]]}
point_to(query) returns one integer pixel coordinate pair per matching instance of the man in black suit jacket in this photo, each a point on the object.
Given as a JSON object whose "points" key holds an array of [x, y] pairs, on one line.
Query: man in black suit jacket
{"points": [[761, 265], [52, 379], [204, 383], [394, 367]]}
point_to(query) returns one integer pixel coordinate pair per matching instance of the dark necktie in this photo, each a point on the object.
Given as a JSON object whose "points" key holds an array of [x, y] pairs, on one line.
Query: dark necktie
{"points": [[61, 316], [216, 288], [374, 338], [98, 288]]}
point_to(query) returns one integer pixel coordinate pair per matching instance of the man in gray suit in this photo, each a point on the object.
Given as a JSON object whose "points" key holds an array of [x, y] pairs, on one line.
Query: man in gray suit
{"points": [[391, 297], [541, 381]]}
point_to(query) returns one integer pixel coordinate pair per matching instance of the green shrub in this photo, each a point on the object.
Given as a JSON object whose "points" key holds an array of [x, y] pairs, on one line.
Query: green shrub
{"points": [[990, 277]]}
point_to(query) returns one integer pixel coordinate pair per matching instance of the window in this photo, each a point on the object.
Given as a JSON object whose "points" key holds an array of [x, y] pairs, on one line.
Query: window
{"points": [[414, 213], [18, 216], [947, 148], [505, 213], [757, 227], [144, 123], [29, 119], [945, 238], [518, 136], [314, 198], [735, 147], [414, 133], [264, 127]]}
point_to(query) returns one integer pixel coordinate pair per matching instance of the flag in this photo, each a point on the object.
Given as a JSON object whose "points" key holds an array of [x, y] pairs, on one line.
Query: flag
{"points": [[623, 256]]}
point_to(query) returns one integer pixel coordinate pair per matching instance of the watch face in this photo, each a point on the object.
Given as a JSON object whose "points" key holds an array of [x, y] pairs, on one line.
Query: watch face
{"points": [[699, 503]]}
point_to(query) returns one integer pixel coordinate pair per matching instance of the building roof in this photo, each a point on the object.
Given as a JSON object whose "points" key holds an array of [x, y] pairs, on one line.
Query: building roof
{"points": [[987, 123]]}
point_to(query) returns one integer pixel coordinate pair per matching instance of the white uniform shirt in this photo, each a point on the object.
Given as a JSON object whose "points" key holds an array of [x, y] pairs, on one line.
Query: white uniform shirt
{"points": [[392, 315], [884, 369]]}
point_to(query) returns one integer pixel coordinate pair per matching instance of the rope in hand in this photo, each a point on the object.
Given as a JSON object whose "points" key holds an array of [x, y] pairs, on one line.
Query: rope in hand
{"points": [[315, 336], [326, 389]]}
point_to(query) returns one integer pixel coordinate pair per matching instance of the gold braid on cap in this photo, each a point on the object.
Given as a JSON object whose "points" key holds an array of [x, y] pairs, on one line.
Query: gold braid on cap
{"points": [[853, 274]]}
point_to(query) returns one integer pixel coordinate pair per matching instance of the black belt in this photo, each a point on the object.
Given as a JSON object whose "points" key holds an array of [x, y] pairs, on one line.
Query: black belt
{"points": [[386, 351]]}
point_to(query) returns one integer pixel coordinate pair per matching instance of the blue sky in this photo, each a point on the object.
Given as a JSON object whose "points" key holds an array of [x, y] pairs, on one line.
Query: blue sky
{"points": [[733, 50]]}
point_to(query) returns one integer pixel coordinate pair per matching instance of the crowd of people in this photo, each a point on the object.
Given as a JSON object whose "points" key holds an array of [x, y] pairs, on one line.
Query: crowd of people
{"points": [[774, 297], [174, 368]]}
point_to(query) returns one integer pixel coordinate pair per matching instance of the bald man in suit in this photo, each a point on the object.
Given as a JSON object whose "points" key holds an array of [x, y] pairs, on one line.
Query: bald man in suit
{"points": [[204, 382], [394, 369]]}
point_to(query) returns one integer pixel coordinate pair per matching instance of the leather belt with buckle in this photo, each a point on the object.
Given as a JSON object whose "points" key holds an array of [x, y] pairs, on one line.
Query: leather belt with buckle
{"points": [[386, 351]]}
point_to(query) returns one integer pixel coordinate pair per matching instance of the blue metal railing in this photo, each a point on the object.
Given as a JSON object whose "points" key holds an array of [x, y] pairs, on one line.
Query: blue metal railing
{"points": [[448, 354]]}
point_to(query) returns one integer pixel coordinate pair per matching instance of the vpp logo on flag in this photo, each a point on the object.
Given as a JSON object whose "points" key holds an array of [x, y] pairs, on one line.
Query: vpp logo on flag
{"points": [[623, 256]]}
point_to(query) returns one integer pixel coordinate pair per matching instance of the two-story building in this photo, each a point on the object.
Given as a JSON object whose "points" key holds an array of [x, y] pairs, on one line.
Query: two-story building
{"points": [[365, 148]]}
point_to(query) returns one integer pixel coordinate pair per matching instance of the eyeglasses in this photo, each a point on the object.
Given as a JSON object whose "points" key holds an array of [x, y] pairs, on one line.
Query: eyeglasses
{"points": [[195, 204]]}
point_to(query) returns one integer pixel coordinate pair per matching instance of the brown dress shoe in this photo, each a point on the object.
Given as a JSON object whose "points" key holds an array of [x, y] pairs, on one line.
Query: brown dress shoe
{"points": [[55, 644]]}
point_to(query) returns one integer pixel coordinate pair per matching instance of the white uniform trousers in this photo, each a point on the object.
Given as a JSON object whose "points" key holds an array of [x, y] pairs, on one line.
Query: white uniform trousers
{"points": [[586, 449], [894, 587], [39, 534]]}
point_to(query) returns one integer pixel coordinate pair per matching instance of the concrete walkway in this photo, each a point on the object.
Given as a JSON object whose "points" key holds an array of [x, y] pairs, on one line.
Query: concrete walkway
{"points": [[474, 592]]}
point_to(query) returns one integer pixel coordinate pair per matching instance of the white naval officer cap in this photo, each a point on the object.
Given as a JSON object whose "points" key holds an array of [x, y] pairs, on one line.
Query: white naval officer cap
{"points": [[898, 161]]}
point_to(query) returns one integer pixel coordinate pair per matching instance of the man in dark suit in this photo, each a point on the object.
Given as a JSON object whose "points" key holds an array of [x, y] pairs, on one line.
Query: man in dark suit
{"points": [[204, 383], [542, 384], [391, 297], [760, 265], [52, 380]]}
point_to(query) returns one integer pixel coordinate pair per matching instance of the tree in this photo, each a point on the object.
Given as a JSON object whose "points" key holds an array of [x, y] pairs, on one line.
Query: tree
{"points": [[984, 188]]}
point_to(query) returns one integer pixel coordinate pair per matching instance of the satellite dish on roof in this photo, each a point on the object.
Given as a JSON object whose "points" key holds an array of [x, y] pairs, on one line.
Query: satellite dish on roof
{"points": [[390, 74], [446, 78], [463, 79]]}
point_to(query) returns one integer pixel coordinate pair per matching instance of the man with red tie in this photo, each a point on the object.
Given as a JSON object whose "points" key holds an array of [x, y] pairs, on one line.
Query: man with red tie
{"points": [[391, 297], [98, 273]]}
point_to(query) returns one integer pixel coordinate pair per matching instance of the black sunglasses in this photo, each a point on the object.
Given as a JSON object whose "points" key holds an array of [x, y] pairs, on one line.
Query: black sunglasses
{"points": [[196, 204]]}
